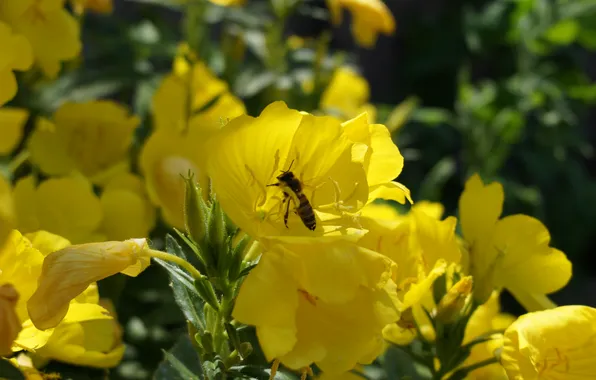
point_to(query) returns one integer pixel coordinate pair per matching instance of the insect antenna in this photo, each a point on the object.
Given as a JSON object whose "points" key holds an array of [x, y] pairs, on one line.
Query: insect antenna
{"points": [[289, 168]]}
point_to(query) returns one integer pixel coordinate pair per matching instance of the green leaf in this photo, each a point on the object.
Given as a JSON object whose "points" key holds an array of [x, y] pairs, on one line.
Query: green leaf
{"points": [[563, 33], [398, 365], [180, 363], [435, 180], [249, 83], [431, 116], [10, 372], [185, 293]]}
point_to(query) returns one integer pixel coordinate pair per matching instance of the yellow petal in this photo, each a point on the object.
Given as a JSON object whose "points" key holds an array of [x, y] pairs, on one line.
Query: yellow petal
{"points": [[86, 337], [7, 210], [125, 215], [346, 93], [242, 160], [268, 299], [370, 17], [12, 122], [433, 209], [332, 270], [91, 138], [20, 265], [46, 148], [66, 273], [526, 262], [68, 207], [25, 204], [47, 242], [418, 290], [9, 86], [392, 191], [384, 162], [480, 207], [436, 238], [183, 93], [554, 344], [165, 159], [9, 321]]}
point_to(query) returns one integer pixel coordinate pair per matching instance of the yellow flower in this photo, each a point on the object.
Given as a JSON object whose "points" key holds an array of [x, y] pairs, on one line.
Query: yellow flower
{"points": [[91, 138], [7, 213], [65, 206], [380, 158], [69, 271], [187, 93], [95, 6], [190, 105], [369, 19], [12, 122], [10, 326], [487, 318], [318, 301], [76, 339], [52, 32], [347, 95], [126, 210], [16, 55], [512, 252], [165, 158], [87, 335], [419, 243], [249, 153], [555, 344]]}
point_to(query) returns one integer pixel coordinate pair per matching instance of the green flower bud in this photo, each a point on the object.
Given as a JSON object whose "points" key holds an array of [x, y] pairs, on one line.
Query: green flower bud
{"points": [[196, 212]]}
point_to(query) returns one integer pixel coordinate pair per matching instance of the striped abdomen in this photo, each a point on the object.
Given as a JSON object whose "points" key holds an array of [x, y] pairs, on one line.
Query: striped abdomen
{"points": [[305, 212]]}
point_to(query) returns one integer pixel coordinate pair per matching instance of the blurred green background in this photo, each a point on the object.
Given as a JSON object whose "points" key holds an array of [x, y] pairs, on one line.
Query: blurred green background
{"points": [[504, 88]]}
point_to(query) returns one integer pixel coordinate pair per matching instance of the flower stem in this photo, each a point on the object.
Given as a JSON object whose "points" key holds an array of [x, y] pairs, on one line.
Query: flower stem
{"points": [[19, 160], [464, 371], [176, 260]]}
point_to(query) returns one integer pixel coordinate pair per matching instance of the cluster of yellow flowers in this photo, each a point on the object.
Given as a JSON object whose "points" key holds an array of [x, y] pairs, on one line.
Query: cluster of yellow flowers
{"points": [[340, 274]]}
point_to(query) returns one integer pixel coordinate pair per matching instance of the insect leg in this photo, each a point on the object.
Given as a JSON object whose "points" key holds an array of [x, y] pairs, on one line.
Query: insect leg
{"points": [[288, 200]]}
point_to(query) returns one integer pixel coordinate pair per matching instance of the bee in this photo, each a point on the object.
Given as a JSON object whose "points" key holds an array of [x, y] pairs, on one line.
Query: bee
{"points": [[292, 190]]}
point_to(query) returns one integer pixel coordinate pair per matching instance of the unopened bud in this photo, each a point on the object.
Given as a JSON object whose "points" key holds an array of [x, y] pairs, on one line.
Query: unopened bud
{"points": [[196, 212], [218, 232], [454, 301]]}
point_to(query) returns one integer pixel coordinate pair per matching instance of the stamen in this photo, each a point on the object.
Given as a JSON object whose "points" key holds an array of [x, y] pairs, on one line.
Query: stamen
{"points": [[274, 368], [260, 200], [304, 372]]}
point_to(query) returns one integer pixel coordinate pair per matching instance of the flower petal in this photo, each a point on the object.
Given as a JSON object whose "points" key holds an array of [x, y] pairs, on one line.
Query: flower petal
{"points": [[480, 207], [525, 261], [68, 272], [12, 122]]}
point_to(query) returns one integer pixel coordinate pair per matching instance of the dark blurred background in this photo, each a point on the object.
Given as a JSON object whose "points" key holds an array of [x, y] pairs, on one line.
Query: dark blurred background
{"points": [[505, 88]]}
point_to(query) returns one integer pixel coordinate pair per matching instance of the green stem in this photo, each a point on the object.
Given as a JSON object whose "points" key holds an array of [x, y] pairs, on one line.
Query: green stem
{"points": [[18, 160], [194, 25], [176, 260], [464, 371]]}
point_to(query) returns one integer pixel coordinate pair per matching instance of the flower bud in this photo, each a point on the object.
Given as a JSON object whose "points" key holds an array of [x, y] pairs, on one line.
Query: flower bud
{"points": [[196, 213], [454, 301], [218, 232]]}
